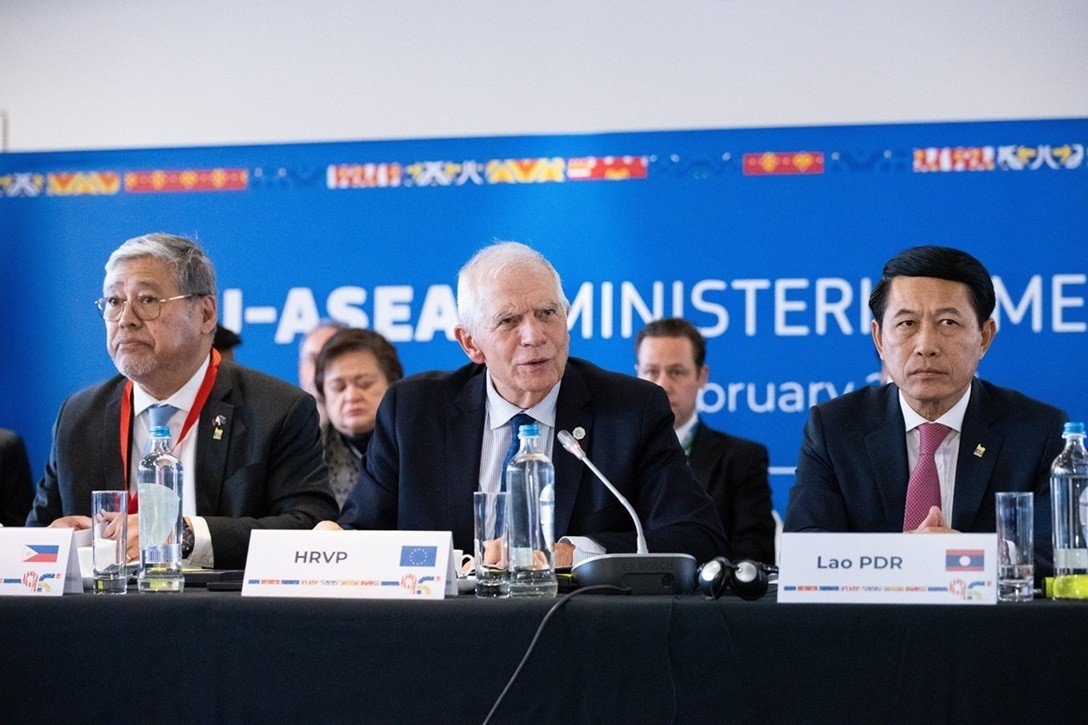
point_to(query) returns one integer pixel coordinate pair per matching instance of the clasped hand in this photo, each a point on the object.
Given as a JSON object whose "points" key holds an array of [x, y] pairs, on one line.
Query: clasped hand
{"points": [[113, 529]]}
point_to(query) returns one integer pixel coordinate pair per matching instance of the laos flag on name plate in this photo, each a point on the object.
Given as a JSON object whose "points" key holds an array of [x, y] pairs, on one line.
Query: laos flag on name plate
{"points": [[964, 560], [41, 553]]}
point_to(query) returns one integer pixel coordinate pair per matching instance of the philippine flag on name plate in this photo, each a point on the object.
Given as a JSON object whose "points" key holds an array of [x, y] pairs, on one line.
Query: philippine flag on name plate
{"points": [[41, 553], [964, 560]]}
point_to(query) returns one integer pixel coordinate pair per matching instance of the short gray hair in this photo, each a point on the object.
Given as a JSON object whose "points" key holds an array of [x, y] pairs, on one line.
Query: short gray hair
{"points": [[486, 266], [193, 271]]}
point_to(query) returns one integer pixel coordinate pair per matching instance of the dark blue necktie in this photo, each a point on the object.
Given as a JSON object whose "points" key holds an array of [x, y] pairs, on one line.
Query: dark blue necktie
{"points": [[515, 425]]}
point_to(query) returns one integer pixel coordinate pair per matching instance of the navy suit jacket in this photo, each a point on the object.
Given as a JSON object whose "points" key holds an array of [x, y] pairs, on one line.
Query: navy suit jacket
{"points": [[734, 472], [423, 463], [852, 474], [16, 485], [265, 472]]}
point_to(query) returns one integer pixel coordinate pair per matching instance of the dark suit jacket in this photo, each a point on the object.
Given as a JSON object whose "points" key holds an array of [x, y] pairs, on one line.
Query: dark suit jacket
{"points": [[16, 485], [734, 472], [423, 463], [265, 473], [852, 474]]}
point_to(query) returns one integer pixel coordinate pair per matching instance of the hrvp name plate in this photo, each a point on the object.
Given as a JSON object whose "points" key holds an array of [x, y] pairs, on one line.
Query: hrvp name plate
{"points": [[38, 561], [350, 564], [888, 568]]}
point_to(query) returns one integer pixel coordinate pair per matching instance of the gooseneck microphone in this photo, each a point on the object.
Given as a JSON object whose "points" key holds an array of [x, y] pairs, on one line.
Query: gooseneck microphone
{"points": [[575, 450], [642, 572]]}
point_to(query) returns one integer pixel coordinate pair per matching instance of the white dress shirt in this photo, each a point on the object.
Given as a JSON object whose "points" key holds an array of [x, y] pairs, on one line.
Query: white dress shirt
{"points": [[946, 455], [185, 451], [496, 442]]}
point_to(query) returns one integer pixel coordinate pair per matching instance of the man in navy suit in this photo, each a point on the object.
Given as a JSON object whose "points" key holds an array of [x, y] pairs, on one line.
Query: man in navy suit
{"points": [[672, 353], [441, 436], [248, 443], [931, 325]]}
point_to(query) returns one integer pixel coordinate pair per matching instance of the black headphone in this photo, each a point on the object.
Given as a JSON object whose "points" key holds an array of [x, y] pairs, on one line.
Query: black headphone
{"points": [[748, 579]]}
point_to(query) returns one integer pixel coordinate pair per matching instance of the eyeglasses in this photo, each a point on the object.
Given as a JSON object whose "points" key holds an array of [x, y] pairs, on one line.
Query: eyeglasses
{"points": [[145, 307]]}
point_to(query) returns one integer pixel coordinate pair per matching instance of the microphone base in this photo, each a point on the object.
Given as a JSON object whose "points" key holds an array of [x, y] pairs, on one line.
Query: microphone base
{"points": [[641, 573]]}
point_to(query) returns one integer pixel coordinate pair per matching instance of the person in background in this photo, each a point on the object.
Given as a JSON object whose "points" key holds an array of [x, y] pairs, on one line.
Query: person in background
{"points": [[249, 444], [16, 485], [225, 341], [307, 357], [672, 354], [351, 374], [928, 451], [441, 436]]}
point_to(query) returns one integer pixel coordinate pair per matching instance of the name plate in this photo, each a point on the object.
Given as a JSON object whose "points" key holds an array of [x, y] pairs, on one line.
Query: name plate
{"points": [[888, 568], [350, 564], [39, 562]]}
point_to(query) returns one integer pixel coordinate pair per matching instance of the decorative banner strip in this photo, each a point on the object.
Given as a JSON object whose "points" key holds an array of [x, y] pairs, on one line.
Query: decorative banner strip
{"points": [[1006, 158], [773, 163], [607, 168], [21, 184], [968, 158], [163, 181], [478, 173], [83, 183], [363, 176]]}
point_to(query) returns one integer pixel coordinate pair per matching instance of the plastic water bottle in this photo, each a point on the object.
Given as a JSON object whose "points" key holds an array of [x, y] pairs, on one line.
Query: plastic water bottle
{"points": [[530, 481], [1069, 502], [159, 490]]}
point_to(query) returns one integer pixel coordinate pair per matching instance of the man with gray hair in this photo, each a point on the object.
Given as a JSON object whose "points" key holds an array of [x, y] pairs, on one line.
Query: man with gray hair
{"points": [[441, 436], [249, 444]]}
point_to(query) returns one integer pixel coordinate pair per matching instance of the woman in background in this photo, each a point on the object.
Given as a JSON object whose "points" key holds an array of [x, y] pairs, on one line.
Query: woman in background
{"points": [[352, 372]]}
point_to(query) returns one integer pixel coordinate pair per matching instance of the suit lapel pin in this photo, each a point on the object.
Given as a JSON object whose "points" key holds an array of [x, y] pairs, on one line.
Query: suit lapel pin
{"points": [[579, 433], [218, 423], [979, 450]]}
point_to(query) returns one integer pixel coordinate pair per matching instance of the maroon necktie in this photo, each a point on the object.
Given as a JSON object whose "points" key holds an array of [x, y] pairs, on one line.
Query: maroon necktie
{"points": [[924, 488]]}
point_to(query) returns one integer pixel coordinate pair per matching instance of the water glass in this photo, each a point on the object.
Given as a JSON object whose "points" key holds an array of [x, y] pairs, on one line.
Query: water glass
{"points": [[1015, 546], [109, 523], [491, 544]]}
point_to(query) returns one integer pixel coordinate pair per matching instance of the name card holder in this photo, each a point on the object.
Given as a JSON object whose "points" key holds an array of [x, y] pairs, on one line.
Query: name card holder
{"points": [[39, 562], [350, 564], [888, 568]]}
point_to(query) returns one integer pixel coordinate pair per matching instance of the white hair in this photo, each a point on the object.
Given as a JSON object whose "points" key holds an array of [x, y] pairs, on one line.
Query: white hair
{"points": [[486, 266]]}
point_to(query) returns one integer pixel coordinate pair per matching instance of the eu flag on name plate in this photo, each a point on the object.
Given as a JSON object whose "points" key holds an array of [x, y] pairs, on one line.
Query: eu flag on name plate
{"points": [[964, 560], [41, 553], [418, 555]]}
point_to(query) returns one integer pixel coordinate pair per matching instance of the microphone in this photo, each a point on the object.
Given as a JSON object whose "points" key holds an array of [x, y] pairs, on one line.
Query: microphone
{"points": [[641, 572]]}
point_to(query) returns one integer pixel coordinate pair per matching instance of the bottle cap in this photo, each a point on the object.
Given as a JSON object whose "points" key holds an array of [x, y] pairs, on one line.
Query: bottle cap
{"points": [[1073, 429], [160, 431], [528, 430]]}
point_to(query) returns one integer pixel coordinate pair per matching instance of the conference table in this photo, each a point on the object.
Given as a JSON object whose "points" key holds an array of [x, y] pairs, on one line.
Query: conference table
{"points": [[219, 657]]}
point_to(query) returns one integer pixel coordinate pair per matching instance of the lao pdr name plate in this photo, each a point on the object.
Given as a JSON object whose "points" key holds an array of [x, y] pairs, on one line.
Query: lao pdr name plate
{"points": [[888, 568], [39, 562], [350, 564]]}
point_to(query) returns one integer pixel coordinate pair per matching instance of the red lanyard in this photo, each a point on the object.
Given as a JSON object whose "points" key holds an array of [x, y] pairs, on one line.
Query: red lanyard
{"points": [[190, 420]]}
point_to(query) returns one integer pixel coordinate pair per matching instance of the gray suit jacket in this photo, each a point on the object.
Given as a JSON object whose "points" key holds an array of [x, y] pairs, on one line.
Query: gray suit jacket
{"points": [[266, 472], [852, 474]]}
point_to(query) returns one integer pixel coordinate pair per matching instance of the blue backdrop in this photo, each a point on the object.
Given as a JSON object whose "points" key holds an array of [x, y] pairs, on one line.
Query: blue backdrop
{"points": [[767, 239]]}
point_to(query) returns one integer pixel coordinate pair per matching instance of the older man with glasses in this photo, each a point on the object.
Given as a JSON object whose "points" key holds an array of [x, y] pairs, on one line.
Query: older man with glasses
{"points": [[249, 444]]}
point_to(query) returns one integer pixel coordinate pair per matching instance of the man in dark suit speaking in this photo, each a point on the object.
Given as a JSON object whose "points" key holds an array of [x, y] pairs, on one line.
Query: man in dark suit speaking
{"points": [[928, 451], [249, 444], [672, 353], [441, 436]]}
